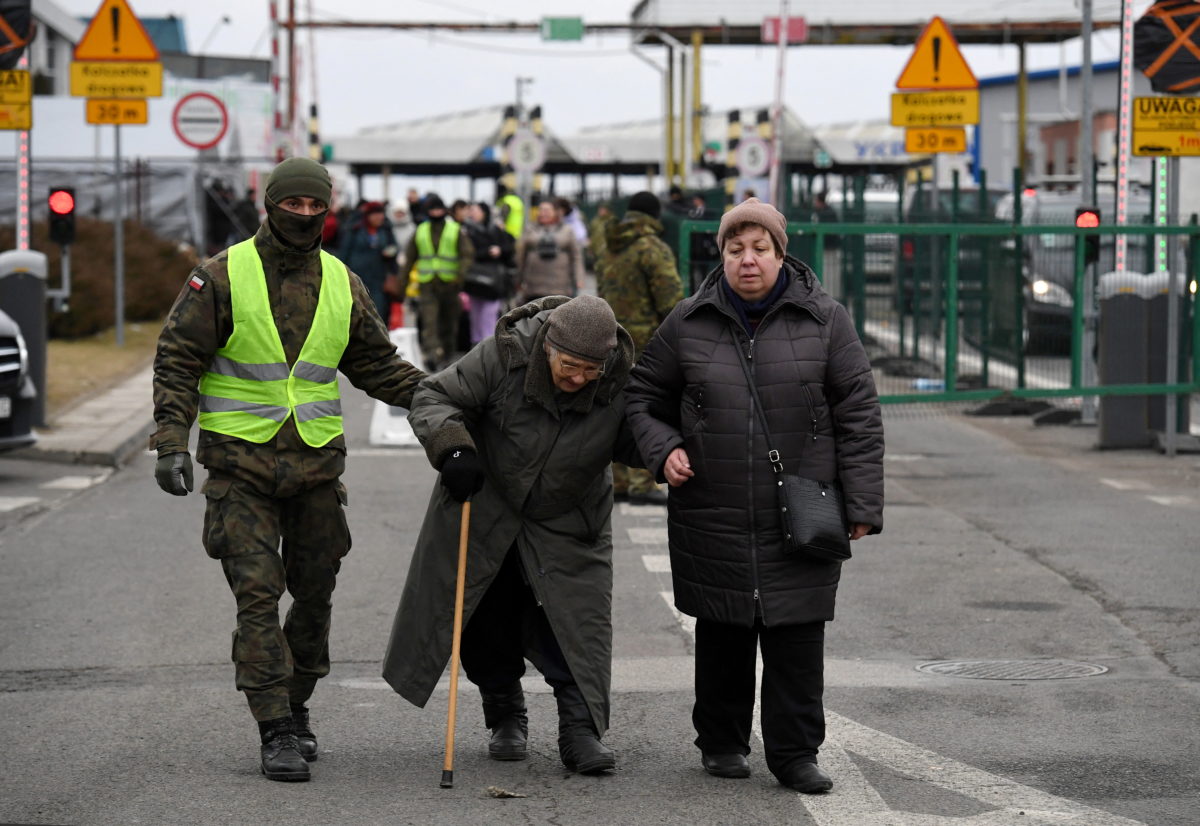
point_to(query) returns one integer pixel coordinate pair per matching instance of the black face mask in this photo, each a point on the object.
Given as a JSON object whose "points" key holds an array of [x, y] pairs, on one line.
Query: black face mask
{"points": [[301, 232]]}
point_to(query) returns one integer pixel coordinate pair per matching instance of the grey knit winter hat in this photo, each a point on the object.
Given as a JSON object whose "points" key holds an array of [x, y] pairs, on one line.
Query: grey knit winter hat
{"points": [[584, 327]]}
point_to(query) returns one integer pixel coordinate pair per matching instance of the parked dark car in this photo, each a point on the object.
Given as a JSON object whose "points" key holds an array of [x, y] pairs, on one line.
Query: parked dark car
{"points": [[17, 392], [1048, 261]]}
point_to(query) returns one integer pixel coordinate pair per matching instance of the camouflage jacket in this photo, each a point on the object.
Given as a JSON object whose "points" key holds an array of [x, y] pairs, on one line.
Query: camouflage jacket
{"points": [[639, 279], [598, 237], [200, 323]]}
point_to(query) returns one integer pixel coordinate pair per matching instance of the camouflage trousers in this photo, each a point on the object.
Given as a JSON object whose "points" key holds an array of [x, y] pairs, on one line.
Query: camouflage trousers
{"points": [[440, 311], [266, 545], [631, 479]]}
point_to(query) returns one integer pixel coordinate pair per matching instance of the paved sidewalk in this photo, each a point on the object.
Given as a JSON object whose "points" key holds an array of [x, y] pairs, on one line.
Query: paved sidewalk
{"points": [[108, 430]]}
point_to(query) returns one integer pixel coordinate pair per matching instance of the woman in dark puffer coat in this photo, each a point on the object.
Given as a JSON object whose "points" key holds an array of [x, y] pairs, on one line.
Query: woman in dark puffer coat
{"points": [[692, 414]]}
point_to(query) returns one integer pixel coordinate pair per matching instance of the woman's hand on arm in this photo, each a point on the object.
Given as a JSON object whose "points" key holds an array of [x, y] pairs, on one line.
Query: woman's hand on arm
{"points": [[678, 470], [858, 530]]}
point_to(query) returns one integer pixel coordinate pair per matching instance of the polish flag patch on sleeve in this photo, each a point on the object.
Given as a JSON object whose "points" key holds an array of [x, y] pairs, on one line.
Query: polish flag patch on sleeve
{"points": [[196, 283]]}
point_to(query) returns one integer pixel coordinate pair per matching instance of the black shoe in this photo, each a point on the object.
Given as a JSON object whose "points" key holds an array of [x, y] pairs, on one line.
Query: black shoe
{"points": [[305, 739], [281, 758], [650, 497], [504, 713], [579, 745], [725, 765], [808, 778]]}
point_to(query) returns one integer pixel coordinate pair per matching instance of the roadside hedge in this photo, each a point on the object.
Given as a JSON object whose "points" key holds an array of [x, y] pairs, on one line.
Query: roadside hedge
{"points": [[155, 270]]}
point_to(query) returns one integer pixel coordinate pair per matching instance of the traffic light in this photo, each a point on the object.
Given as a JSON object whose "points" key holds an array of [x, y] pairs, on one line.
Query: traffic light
{"points": [[1088, 218], [62, 214]]}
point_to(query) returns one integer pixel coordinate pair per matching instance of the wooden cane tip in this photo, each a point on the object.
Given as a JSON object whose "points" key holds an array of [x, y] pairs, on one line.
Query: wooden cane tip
{"points": [[447, 779]]}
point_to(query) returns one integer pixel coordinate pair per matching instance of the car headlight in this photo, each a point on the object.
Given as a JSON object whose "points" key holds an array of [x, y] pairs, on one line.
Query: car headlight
{"points": [[1047, 292], [22, 355]]}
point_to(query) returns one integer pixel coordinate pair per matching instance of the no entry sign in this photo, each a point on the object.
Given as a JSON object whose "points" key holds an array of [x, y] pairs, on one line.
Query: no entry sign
{"points": [[200, 120]]}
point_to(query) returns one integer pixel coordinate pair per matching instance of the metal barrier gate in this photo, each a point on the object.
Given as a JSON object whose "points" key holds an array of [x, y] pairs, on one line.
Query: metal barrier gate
{"points": [[978, 312]]}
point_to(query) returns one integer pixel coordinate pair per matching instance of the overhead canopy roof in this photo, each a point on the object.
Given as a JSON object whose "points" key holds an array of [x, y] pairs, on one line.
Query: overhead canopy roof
{"points": [[639, 144], [863, 22], [458, 143]]}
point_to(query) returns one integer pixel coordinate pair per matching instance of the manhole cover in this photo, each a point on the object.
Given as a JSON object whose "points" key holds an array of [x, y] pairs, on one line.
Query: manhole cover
{"points": [[1012, 669]]}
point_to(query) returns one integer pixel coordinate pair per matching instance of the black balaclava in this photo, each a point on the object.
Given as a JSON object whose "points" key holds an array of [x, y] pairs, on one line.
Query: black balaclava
{"points": [[297, 177]]}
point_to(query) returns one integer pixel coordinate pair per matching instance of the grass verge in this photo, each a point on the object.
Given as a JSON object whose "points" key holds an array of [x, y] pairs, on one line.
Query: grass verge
{"points": [[77, 369]]}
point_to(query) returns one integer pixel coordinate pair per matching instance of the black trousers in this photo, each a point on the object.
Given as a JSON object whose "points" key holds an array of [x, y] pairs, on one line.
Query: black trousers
{"points": [[508, 625], [793, 682]]}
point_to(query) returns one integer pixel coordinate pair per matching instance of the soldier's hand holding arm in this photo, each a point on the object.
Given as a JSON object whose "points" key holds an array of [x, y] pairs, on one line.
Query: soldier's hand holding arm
{"points": [[462, 475], [173, 472]]}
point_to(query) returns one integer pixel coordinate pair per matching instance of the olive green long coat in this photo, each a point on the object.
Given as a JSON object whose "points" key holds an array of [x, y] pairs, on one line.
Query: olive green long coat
{"points": [[548, 491]]}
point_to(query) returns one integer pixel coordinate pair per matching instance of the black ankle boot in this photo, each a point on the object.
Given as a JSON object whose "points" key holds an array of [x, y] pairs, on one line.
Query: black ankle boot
{"points": [[281, 758], [579, 745], [504, 713], [306, 741]]}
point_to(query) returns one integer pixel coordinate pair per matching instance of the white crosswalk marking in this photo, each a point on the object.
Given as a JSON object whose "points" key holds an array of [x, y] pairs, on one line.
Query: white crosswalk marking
{"points": [[1127, 484], [1172, 501], [72, 483], [648, 536], [855, 802], [11, 503], [657, 563]]}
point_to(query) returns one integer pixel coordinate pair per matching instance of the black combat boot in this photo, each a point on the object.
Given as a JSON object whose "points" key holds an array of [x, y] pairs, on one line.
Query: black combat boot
{"points": [[504, 713], [579, 745], [281, 758], [306, 741]]}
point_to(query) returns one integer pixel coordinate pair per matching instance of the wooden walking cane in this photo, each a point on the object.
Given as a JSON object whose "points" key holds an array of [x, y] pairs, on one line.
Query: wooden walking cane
{"points": [[459, 588]]}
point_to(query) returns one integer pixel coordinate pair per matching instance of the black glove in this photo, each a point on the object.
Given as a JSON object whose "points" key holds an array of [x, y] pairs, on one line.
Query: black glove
{"points": [[173, 473], [462, 474]]}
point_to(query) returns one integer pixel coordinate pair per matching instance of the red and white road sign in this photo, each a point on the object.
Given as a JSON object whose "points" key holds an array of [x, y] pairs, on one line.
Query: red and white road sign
{"points": [[200, 120]]}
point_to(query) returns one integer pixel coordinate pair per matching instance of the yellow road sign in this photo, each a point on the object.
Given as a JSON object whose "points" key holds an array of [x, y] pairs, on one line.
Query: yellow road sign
{"points": [[937, 62], [115, 33], [945, 108], [116, 80], [15, 87], [933, 140], [117, 111], [1166, 126], [16, 116]]}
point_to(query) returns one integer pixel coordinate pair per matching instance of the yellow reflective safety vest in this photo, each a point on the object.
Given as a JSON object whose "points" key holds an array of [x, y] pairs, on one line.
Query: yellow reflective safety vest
{"points": [[514, 222], [444, 261], [249, 390]]}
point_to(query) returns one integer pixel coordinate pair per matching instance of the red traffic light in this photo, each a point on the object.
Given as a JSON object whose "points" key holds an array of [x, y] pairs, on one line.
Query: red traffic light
{"points": [[62, 202], [1087, 219]]}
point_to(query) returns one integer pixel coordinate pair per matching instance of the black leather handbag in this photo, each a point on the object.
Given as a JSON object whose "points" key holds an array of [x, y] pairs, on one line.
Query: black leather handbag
{"points": [[812, 513]]}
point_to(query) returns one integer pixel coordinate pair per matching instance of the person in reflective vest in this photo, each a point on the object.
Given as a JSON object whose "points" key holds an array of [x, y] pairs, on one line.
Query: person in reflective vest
{"points": [[438, 257], [511, 210], [252, 349]]}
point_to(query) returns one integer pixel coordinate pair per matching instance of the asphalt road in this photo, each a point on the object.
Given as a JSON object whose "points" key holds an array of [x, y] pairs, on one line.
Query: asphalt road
{"points": [[1002, 543]]}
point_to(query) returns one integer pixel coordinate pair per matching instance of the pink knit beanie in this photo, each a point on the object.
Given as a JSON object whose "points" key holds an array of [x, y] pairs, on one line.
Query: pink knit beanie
{"points": [[754, 211]]}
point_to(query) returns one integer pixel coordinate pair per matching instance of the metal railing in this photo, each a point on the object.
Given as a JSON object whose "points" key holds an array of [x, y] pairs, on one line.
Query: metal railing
{"points": [[962, 312]]}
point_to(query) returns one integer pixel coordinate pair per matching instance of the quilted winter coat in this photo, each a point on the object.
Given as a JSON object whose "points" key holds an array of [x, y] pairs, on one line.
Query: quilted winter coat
{"points": [[728, 561]]}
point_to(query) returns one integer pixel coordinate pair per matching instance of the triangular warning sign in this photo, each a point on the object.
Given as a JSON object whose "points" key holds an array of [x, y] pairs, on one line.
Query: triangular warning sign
{"points": [[115, 33], [937, 62]]}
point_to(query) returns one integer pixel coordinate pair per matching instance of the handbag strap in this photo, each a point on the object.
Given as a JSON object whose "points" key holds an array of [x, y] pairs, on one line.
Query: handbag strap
{"points": [[772, 454]]}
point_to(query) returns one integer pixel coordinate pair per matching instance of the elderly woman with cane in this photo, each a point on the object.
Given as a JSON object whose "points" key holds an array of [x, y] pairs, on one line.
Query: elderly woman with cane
{"points": [[756, 384], [526, 426]]}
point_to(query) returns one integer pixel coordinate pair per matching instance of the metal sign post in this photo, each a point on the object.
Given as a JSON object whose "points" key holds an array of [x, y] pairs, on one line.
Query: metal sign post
{"points": [[1173, 296], [1087, 410], [775, 185], [118, 238], [1124, 132]]}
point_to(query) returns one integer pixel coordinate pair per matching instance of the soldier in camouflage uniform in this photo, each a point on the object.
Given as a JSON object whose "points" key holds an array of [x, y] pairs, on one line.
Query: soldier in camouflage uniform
{"points": [[261, 491], [639, 280], [598, 234]]}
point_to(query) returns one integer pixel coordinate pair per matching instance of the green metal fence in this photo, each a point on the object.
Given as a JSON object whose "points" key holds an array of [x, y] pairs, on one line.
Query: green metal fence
{"points": [[974, 312]]}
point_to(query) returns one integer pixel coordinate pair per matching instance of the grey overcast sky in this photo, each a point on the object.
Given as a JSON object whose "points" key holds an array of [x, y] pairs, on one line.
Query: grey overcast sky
{"points": [[375, 76]]}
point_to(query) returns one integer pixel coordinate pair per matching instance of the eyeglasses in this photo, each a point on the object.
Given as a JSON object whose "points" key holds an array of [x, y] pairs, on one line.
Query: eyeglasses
{"points": [[572, 369]]}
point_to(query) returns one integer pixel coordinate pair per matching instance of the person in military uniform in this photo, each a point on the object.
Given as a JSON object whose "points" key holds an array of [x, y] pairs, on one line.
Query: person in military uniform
{"points": [[438, 255], [597, 234], [254, 344], [639, 280]]}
